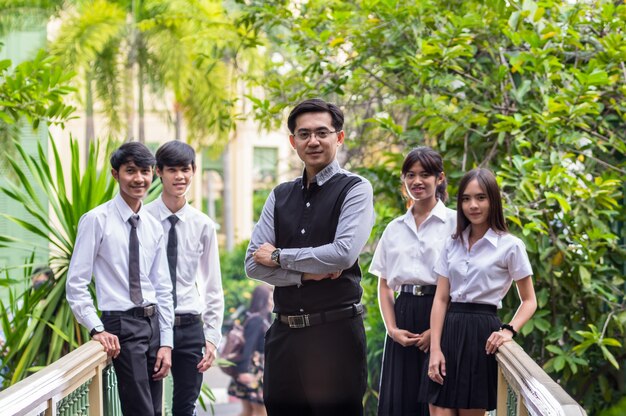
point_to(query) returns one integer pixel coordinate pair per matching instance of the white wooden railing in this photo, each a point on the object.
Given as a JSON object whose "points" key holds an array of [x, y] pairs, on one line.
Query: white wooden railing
{"points": [[525, 389]]}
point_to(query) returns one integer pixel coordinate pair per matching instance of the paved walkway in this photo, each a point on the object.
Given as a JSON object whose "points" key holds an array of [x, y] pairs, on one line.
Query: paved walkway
{"points": [[224, 404]]}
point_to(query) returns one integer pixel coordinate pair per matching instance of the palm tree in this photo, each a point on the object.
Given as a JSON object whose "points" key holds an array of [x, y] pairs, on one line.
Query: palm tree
{"points": [[157, 46]]}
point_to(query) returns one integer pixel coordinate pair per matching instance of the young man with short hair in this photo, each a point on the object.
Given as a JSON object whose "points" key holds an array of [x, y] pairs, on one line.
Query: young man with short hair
{"points": [[122, 247], [307, 243], [194, 268]]}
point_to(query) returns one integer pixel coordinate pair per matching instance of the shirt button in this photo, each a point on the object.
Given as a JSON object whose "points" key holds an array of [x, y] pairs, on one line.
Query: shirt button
{"points": [[308, 204], [302, 231]]}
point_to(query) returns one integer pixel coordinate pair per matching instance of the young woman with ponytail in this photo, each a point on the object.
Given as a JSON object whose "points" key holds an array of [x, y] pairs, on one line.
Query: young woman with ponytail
{"points": [[403, 261]]}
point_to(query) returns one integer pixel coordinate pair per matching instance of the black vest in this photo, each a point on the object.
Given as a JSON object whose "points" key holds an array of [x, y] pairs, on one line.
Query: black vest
{"points": [[308, 218]]}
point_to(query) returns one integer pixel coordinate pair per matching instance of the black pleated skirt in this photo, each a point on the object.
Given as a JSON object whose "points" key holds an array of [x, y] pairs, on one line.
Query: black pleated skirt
{"points": [[471, 380], [402, 366]]}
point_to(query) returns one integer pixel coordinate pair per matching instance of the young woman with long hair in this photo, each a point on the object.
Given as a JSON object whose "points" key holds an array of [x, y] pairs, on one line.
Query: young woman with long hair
{"points": [[476, 269]]}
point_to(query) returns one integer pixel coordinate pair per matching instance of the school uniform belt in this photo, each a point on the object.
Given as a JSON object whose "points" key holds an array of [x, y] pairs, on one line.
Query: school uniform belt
{"points": [[186, 319], [419, 290], [138, 312], [302, 321]]}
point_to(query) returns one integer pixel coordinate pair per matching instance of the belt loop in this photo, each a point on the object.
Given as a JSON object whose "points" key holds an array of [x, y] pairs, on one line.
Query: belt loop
{"points": [[355, 310]]}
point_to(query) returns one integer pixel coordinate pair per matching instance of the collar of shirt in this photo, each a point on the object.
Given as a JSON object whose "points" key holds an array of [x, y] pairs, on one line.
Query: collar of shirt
{"points": [[164, 211], [438, 211], [124, 210], [491, 235], [325, 174]]}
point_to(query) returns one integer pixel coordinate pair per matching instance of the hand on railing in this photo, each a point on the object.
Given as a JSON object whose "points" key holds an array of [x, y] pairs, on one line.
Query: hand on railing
{"points": [[496, 339], [110, 343]]}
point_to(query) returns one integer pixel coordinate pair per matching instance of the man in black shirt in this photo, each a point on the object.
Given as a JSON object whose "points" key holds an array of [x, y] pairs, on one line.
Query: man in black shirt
{"points": [[306, 244]]}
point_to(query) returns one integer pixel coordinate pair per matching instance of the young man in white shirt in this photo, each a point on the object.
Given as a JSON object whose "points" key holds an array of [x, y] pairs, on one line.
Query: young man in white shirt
{"points": [[122, 247], [194, 268]]}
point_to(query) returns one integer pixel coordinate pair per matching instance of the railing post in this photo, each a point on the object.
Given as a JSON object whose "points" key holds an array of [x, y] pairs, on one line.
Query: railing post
{"points": [[502, 394], [95, 393]]}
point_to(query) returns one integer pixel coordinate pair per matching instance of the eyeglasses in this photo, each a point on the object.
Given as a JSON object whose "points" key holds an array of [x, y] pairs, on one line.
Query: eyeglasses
{"points": [[320, 134]]}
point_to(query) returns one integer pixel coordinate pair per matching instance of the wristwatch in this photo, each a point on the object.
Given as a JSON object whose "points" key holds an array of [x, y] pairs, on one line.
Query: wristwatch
{"points": [[96, 330], [276, 256]]}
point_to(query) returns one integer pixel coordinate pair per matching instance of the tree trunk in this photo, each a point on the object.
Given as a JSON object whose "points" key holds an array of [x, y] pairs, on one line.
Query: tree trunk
{"points": [[89, 127], [141, 111], [129, 78], [227, 206], [210, 198], [129, 104], [178, 115]]}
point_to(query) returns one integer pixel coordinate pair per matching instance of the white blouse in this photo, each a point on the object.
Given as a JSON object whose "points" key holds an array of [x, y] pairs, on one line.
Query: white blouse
{"points": [[483, 274], [406, 254]]}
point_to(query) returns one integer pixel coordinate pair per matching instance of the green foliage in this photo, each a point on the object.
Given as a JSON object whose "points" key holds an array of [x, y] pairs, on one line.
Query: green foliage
{"points": [[42, 328], [535, 90], [237, 287], [33, 91]]}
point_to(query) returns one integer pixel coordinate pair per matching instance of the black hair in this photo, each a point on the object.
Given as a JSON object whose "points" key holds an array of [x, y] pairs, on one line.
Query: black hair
{"points": [[134, 152], [43, 270], [175, 154], [432, 163], [487, 181], [260, 298], [316, 105]]}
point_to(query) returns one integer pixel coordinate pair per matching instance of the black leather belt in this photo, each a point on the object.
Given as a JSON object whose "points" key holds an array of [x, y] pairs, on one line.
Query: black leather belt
{"points": [[419, 290], [186, 319], [302, 321], [139, 312]]}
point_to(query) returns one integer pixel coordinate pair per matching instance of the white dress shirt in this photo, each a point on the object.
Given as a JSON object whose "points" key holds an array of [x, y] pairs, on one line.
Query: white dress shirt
{"points": [[406, 254], [198, 274], [101, 251], [483, 274]]}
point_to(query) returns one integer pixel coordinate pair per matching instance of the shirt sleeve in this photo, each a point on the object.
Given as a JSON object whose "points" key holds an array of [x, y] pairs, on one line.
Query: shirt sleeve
{"points": [[353, 229], [442, 264], [518, 262], [80, 271], [211, 286], [264, 233], [159, 276], [378, 265]]}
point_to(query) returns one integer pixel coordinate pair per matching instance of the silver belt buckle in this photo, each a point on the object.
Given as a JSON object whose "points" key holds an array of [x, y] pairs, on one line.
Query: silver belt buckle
{"points": [[417, 290], [149, 310], [298, 321]]}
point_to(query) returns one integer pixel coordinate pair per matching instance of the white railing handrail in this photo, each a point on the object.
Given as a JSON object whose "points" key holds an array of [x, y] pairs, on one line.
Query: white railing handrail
{"points": [[541, 395], [49, 385]]}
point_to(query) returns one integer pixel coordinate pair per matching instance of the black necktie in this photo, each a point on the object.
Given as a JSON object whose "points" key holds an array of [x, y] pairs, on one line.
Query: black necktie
{"points": [[172, 253], [134, 281]]}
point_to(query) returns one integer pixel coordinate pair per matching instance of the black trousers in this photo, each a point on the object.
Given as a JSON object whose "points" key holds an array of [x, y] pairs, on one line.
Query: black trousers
{"points": [[187, 353], [139, 340], [316, 371]]}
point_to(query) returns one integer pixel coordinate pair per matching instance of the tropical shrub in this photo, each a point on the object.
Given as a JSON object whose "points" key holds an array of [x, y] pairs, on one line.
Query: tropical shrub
{"points": [[42, 327]]}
